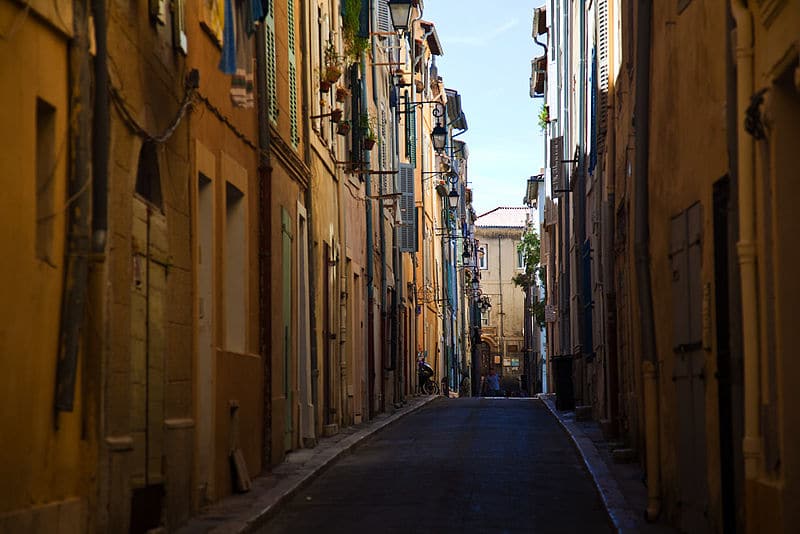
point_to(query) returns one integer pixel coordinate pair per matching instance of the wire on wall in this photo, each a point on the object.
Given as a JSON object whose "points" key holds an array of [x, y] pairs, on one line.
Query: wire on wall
{"points": [[138, 129]]}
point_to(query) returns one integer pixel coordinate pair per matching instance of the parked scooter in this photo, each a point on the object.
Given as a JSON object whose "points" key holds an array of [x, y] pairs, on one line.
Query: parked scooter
{"points": [[427, 382]]}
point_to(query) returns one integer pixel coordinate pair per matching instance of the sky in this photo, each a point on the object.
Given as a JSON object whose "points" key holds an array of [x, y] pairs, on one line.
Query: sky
{"points": [[487, 59]]}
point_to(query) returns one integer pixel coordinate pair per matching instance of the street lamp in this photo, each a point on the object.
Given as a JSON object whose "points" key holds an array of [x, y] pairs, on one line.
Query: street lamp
{"points": [[452, 199], [400, 10], [439, 137]]}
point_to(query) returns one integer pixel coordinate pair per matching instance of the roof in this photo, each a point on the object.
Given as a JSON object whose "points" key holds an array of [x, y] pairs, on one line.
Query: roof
{"points": [[434, 43], [503, 217]]}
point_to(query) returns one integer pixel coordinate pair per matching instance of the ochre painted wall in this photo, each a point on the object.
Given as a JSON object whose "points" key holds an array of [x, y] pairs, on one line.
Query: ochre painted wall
{"points": [[46, 465]]}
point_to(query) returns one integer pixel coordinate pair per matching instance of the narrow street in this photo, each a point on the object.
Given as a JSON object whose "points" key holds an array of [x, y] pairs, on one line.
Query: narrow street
{"points": [[459, 465]]}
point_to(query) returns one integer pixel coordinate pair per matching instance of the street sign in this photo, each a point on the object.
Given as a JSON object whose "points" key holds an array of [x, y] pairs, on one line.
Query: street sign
{"points": [[556, 155]]}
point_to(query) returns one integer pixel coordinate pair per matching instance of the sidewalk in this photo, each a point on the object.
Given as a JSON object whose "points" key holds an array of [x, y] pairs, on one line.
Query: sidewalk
{"points": [[620, 485], [245, 512]]}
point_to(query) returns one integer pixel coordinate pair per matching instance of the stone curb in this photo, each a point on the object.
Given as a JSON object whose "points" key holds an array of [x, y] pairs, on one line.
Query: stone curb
{"points": [[620, 514], [268, 504]]}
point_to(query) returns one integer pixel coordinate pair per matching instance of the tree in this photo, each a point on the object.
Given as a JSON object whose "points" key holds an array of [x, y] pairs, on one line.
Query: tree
{"points": [[533, 273]]}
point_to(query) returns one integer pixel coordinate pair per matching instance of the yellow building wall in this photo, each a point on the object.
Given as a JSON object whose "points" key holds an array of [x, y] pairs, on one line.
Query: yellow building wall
{"points": [[47, 465]]}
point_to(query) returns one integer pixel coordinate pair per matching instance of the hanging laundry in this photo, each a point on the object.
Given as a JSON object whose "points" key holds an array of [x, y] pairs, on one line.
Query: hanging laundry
{"points": [[242, 85], [264, 9], [227, 62], [257, 11]]}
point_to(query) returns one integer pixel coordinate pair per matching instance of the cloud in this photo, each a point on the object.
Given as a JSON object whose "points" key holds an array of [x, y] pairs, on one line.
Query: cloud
{"points": [[483, 38]]}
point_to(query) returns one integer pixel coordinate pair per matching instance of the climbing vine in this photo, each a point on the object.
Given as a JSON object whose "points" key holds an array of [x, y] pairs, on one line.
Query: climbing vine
{"points": [[533, 272]]}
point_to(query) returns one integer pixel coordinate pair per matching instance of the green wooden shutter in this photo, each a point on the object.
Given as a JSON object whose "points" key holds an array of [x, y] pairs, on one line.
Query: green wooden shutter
{"points": [[272, 91], [411, 133], [294, 131]]}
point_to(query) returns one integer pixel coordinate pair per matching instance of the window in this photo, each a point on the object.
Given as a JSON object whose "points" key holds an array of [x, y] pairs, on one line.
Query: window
{"points": [[520, 260], [293, 113], [272, 90], [483, 257], [235, 268], [148, 176], [45, 176], [485, 318]]}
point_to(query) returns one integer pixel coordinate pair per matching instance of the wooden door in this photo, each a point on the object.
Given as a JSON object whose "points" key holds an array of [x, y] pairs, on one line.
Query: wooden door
{"points": [[689, 372]]}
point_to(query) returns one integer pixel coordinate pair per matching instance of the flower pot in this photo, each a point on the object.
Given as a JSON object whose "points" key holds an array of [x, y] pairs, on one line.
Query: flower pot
{"points": [[324, 86], [343, 128], [342, 93], [368, 143], [332, 73], [336, 115]]}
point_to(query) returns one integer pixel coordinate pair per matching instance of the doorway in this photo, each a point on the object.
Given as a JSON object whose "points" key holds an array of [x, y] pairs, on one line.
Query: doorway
{"points": [[689, 375], [150, 257], [307, 436], [730, 367], [205, 352]]}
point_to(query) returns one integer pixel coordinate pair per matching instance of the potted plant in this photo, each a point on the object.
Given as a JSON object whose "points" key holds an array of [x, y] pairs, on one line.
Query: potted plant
{"points": [[333, 69], [336, 115], [368, 136], [343, 128], [354, 44], [324, 84], [342, 93]]}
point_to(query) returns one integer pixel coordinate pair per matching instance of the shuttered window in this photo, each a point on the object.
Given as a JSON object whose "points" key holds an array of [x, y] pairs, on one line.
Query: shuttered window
{"points": [[408, 231], [294, 130], [411, 133], [382, 13], [269, 33], [602, 73], [382, 141]]}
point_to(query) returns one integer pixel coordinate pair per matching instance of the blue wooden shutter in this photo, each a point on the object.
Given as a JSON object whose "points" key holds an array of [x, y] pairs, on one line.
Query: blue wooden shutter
{"points": [[408, 232]]}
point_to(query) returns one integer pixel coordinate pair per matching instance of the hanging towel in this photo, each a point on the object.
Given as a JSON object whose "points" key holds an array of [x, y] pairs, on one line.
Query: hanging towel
{"points": [[227, 62], [257, 10], [242, 82]]}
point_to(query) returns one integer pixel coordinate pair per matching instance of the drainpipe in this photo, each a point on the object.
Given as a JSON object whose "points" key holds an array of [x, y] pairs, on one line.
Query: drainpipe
{"points": [[78, 232], [265, 231], [387, 366], [746, 247], [308, 199], [642, 257], [367, 178], [100, 130]]}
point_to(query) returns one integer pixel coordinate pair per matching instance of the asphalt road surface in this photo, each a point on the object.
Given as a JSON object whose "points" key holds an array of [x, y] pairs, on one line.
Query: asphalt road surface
{"points": [[456, 465]]}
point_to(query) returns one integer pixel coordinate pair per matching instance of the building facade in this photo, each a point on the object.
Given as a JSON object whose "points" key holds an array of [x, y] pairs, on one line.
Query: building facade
{"points": [[219, 245], [664, 245]]}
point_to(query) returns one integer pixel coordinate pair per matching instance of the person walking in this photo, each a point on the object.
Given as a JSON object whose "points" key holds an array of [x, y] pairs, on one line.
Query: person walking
{"points": [[493, 384]]}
